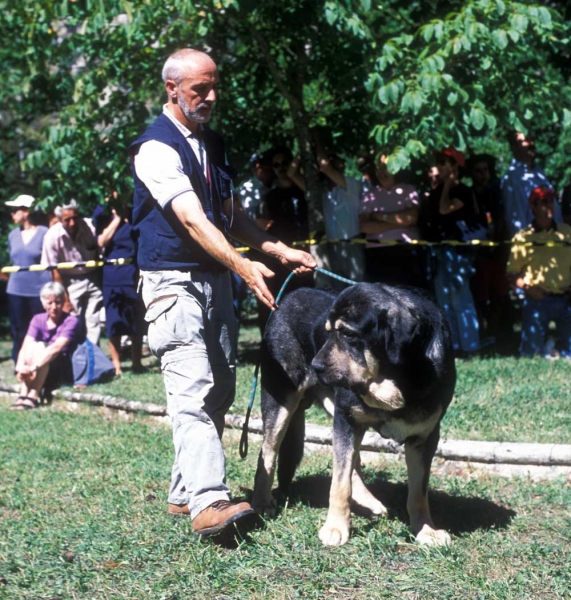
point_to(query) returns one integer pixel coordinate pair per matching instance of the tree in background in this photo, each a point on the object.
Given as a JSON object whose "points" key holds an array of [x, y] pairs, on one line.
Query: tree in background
{"points": [[83, 81]]}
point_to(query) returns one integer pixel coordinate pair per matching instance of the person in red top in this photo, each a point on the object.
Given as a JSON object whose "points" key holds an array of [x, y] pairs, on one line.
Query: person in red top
{"points": [[45, 357]]}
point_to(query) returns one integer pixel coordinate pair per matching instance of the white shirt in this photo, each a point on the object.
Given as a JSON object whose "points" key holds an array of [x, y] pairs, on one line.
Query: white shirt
{"points": [[159, 166]]}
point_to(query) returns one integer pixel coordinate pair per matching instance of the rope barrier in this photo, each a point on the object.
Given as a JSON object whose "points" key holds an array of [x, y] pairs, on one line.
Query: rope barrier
{"points": [[90, 264], [472, 243], [244, 437]]}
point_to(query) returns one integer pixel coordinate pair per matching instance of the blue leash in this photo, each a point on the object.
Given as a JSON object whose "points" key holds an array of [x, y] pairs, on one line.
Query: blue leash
{"points": [[244, 437]]}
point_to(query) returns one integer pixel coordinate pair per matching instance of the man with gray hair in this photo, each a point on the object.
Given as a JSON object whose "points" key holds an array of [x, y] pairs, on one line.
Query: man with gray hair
{"points": [[73, 240], [183, 209]]}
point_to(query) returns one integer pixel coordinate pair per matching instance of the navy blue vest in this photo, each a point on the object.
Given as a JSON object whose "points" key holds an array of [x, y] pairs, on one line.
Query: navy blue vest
{"points": [[163, 242]]}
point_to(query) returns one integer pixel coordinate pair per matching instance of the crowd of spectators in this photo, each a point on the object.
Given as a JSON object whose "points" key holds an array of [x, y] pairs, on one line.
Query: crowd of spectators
{"points": [[371, 226], [77, 294]]}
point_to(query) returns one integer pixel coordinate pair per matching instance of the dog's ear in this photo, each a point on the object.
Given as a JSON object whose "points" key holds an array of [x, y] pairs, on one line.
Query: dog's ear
{"points": [[399, 328]]}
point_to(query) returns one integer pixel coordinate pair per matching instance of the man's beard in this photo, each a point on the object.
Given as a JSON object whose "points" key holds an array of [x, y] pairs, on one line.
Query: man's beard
{"points": [[194, 115]]}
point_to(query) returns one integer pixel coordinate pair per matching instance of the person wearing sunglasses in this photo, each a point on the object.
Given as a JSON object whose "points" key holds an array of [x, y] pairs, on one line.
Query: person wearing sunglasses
{"points": [[542, 275]]}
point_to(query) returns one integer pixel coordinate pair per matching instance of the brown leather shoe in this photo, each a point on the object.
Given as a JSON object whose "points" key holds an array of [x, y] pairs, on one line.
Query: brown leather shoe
{"points": [[219, 515], [178, 509]]}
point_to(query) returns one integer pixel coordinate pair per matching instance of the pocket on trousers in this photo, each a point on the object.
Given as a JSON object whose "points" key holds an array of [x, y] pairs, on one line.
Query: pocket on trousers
{"points": [[174, 322]]}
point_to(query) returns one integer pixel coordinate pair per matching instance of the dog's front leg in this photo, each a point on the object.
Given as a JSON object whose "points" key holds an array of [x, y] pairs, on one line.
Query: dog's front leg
{"points": [[335, 532], [419, 454]]}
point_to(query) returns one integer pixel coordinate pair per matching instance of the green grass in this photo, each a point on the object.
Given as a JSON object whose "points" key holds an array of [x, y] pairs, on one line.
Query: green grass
{"points": [[83, 497], [497, 399], [82, 515]]}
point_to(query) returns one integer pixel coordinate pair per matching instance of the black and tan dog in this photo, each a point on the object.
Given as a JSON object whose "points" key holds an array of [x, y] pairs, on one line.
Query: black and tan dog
{"points": [[383, 355]]}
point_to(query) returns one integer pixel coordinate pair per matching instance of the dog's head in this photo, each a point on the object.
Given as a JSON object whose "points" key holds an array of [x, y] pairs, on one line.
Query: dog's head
{"points": [[376, 333]]}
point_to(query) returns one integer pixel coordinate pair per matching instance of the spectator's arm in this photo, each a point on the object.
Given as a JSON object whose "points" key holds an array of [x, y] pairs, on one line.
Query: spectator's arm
{"points": [[51, 352], [399, 219], [330, 171], [372, 227], [294, 174], [448, 205], [107, 234]]}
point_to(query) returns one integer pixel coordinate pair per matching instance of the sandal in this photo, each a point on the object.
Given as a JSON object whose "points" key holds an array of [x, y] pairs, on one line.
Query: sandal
{"points": [[24, 403]]}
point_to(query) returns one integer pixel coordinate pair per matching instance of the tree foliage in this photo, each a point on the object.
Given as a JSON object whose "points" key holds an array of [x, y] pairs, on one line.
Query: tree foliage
{"points": [[83, 80]]}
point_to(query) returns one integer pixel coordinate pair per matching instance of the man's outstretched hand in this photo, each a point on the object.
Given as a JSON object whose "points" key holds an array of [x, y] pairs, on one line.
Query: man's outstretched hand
{"points": [[297, 260]]}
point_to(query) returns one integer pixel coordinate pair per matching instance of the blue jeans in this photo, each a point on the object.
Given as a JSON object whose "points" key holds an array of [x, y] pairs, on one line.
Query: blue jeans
{"points": [[536, 315], [21, 309], [453, 294], [192, 330]]}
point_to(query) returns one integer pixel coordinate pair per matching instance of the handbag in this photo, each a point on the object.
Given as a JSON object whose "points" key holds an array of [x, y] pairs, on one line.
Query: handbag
{"points": [[91, 365]]}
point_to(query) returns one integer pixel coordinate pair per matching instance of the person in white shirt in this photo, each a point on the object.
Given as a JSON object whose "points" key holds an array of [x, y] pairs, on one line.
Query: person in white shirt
{"points": [[183, 209]]}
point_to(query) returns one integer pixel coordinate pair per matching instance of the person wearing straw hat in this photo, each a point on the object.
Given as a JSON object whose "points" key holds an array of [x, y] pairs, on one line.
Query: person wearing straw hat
{"points": [[25, 248]]}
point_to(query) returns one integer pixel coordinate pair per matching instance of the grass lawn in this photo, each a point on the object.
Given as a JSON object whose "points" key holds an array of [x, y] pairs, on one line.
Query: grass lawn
{"points": [[82, 515], [83, 498]]}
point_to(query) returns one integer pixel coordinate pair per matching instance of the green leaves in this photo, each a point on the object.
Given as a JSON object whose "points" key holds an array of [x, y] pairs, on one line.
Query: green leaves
{"points": [[468, 73]]}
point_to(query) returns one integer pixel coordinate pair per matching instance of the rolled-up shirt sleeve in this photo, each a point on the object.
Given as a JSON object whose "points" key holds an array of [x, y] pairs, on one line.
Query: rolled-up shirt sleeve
{"points": [[159, 167]]}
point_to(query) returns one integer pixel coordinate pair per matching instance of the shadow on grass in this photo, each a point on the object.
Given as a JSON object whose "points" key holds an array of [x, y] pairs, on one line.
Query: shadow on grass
{"points": [[456, 514]]}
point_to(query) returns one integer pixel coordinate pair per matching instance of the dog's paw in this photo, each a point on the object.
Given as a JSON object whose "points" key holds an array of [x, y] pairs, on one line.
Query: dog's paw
{"points": [[433, 537], [334, 534], [368, 507], [377, 508]]}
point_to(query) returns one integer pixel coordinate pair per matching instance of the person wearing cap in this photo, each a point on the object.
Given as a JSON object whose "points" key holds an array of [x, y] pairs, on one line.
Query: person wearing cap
{"points": [[522, 177], [451, 214], [73, 240], [25, 248], [542, 274]]}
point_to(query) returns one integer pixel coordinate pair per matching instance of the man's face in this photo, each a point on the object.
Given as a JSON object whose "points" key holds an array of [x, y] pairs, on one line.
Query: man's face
{"points": [[433, 176], [196, 93], [481, 174], [70, 221]]}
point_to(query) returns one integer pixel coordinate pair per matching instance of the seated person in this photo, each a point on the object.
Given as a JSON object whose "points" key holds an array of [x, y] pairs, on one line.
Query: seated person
{"points": [[45, 357], [543, 274]]}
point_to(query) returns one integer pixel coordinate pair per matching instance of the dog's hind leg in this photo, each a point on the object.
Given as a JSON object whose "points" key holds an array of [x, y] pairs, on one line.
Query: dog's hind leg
{"points": [[276, 423], [419, 454], [362, 499]]}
